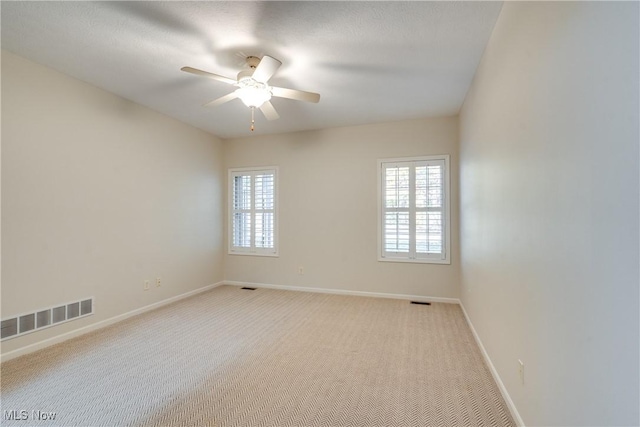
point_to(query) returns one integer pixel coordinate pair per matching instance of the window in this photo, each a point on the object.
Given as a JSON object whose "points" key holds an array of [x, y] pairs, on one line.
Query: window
{"points": [[414, 210], [252, 213]]}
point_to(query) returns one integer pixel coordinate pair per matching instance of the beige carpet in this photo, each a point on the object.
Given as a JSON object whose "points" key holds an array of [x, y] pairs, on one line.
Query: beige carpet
{"points": [[232, 357]]}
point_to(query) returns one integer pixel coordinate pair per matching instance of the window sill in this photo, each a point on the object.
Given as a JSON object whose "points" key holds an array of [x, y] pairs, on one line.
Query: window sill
{"points": [[416, 261], [273, 255]]}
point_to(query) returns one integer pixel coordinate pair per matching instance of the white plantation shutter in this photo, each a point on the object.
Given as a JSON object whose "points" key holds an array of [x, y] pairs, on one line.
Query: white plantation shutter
{"points": [[429, 208], [414, 213], [397, 209], [242, 211], [264, 197], [253, 212]]}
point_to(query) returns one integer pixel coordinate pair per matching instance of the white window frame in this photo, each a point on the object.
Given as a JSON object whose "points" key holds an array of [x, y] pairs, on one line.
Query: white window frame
{"points": [[445, 256], [253, 251]]}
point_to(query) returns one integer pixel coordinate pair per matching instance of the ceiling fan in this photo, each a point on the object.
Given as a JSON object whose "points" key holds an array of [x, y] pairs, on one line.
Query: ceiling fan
{"points": [[253, 88]]}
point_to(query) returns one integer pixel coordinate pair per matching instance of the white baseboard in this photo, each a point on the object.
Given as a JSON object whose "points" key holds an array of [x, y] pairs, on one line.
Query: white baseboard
{"points": [[103, 323], [503, 390], [344, 292]]}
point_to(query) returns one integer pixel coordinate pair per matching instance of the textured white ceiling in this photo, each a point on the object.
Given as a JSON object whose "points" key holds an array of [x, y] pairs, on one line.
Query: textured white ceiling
{"points": [[370, 61]]}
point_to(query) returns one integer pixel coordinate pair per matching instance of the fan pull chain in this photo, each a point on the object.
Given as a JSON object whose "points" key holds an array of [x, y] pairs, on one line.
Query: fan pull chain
{"points": [[252, 117]]}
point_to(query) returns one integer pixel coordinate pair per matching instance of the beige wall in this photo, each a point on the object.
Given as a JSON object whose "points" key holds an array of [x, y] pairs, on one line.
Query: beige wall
{"points": [[99, 194], [328, 207], [549, 209]]}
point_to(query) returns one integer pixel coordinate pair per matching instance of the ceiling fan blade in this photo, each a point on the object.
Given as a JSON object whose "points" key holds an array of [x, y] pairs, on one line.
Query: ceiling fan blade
{"points": [[269, 112], [266, 68], [298, 95], [221, 100], [207, 74]]}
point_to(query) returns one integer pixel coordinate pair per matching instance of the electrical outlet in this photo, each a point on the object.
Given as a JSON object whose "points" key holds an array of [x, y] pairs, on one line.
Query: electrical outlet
{"points": [[146, 285], [521, 370], [301, 270], [158, 282]]}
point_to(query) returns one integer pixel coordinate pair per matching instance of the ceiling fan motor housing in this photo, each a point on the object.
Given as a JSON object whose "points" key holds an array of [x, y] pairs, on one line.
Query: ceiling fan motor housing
{"points": [[245, 74]]}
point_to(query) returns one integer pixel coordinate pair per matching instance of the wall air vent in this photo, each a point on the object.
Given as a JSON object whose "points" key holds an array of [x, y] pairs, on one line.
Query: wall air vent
{"points": [[30, 322], [248, 289], [420, 302]]}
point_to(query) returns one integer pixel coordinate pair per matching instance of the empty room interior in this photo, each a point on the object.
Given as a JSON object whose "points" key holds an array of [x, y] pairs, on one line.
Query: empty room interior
{"points": [[320, 213]]}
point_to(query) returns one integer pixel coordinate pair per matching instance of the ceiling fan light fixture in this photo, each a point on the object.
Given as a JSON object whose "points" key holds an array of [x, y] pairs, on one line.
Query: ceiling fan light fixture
{"points": [[253, 97], [253, 93]]}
